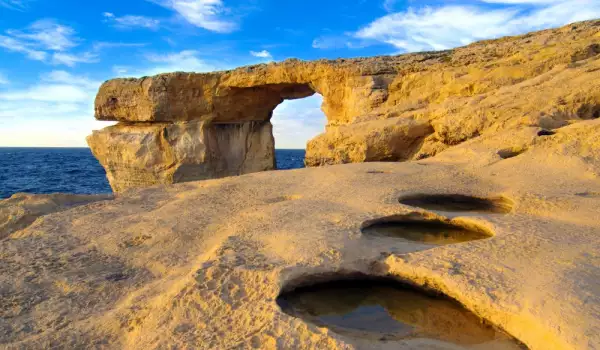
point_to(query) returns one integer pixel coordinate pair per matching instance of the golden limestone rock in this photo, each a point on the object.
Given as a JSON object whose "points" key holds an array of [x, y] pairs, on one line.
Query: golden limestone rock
{"points": [[22, 209], [511, 237], [392, 108]]}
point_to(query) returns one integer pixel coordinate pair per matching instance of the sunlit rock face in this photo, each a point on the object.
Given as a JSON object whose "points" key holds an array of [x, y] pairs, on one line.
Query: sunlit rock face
{"points": [[392, 108], [161, 153]]}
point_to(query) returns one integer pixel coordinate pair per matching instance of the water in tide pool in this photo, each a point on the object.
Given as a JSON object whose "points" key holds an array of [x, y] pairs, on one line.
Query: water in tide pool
{"points": [[75, 170]]}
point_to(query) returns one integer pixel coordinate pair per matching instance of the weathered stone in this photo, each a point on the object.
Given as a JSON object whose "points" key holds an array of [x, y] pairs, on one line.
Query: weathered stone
{"points": [[396, 139], [459, 94], [22, 209], [157, 153], [201, 265]]}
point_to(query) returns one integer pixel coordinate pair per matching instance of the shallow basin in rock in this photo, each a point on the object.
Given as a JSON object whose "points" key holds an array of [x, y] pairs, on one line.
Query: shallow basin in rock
{"points": [[512, 152], [384, 310], [458, 203], [422, 230]]}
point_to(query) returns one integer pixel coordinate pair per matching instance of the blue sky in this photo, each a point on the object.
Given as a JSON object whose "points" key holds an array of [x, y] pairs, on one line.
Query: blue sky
{"points": [[55, 53]]}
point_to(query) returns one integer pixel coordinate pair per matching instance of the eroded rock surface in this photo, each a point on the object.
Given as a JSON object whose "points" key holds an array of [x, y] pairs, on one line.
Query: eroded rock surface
{"points": [[200, 265], [378, 109], [22, 209], [138, 155]]}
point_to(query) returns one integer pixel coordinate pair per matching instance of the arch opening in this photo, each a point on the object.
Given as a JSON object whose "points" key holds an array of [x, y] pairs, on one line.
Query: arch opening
{"points": [[296, 121]]}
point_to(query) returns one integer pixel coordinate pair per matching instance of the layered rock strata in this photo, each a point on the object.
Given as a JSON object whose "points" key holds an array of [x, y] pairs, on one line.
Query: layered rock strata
{"points": [[392, 108]]}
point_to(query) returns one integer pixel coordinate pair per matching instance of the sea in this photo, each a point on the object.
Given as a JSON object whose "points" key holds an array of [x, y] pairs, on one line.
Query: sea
{"points": [[75, 170]]}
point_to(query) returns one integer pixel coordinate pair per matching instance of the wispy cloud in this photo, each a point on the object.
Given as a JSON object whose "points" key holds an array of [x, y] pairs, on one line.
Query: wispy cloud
{"points": [[184, 61], [261, 54], [211, 15], [71, 60], [445, 27], [103, 45], [332, 42], [188, 61], [56, 86], [46, 34], [3, 79], [17, 5], [131, 21], [534, 2], [14, 45], [56, 110], [46, 41], [344, 41], [121, 70], [63, 77], [47, 93]]}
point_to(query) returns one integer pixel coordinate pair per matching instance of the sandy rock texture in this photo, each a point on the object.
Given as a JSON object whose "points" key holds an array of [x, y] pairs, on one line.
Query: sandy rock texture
{"points": [[22, 209], [200, 264], [393, 108]]}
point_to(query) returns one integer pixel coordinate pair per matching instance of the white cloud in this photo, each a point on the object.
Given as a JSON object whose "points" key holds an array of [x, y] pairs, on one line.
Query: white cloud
{"points": [[46, 34], [120, 70], [331, 42], [63, 77], [535, 2], [346, 41], [101, 45], [55, 111], [261, 54], [18, 5], [208, 14], [184, 61], [130, 21], [440, 28], [48, 93], [3, 79], [295, 122], [71, 60], [55, 86], [13, 45], [46, 41]]}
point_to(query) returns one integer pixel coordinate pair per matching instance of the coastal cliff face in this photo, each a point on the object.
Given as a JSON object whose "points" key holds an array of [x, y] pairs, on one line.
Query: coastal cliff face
{"points": [[393, 108]]}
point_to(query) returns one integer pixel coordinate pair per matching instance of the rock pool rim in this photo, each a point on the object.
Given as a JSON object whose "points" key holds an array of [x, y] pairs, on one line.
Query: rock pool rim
{"points": [[320, 281], [458, 203], [417, 218], [512, 152]]}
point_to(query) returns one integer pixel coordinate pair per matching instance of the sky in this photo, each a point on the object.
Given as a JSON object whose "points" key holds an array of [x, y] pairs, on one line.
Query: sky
{"points": [[54, 54]]}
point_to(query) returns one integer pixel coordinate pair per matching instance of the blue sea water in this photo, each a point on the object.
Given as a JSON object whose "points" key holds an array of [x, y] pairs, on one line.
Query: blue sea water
{"points": [[75, 170]]}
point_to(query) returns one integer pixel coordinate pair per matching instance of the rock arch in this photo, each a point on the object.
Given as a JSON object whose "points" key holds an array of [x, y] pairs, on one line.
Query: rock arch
{"points": [[189, 126], [179, 127]]}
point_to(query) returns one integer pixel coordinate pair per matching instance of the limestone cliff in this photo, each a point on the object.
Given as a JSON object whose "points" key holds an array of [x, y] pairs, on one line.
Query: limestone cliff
{"points": [[378, 109]]}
